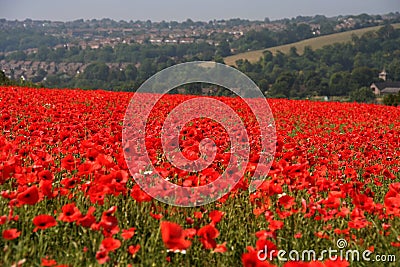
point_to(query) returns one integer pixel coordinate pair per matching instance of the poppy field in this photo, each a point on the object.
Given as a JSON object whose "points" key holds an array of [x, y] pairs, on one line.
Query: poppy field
{"points": [[67, 197]]}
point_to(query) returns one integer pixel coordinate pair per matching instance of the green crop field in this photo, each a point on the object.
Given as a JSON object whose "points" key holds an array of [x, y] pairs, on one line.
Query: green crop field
{"points": [[314, 43]]}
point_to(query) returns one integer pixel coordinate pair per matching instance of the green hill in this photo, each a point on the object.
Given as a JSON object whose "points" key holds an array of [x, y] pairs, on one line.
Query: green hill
{"points": [[314, 43]]}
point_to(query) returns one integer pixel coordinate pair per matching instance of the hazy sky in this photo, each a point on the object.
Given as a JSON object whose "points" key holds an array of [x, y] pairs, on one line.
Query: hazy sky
{"points": [[179, 10]]}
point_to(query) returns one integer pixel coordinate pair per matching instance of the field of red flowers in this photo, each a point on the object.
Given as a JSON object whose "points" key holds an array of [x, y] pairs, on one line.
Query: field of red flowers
{"points": [[68, 198]]}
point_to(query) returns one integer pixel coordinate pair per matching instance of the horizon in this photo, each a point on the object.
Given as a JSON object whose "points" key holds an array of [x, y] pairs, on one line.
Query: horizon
{"points": [[216, 19], [180, 10]]}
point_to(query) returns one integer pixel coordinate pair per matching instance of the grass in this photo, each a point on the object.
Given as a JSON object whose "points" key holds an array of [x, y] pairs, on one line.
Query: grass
{"points": [[314, 43], [66, 242]]}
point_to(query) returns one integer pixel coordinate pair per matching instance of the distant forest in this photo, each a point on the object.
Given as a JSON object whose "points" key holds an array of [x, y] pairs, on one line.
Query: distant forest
{"points": [[335, 70], [345, 69]]}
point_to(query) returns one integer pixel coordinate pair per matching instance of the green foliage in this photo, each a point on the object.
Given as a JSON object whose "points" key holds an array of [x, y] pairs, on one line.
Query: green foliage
{"points": [[362, 95], [363, 75], [3, 79], [22, 39], [392, 100], [223, 49], [334, 70]]}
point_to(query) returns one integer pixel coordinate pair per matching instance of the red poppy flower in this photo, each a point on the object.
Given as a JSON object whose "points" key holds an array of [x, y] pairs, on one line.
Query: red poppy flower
{"points": [[156, 216], [251, 259], [88, 219], [264, 234], [45, 175], [110, 211], [10, 234], [129, 233], [43, 222], [68, 162], [358, 223], [221, 248], [46, 188], [189, 220], [275, 225], [3, 219], [105, 160], [216, 216], [198, 215], [92, 154], [133, 249], [207, 235], [190, 233], [286, 201], [110, 244], [395, 244], [70, 183], [337, 263], [30, 196], [109, 223], [139, 195], [298, 235], [70, 213], [102, 256], [173, 236], [267, 247], [48, 262]]}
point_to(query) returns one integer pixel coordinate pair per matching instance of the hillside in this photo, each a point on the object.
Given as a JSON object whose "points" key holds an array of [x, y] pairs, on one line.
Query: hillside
{"points": [[314, 43]]}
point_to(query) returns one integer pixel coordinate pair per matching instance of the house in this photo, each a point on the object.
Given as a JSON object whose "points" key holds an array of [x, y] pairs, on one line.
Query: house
{"points": [[156, 40], [385, 88], [186, 40], [171, 41]]}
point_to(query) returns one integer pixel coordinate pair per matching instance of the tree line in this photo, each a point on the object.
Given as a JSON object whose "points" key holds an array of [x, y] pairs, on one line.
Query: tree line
{"points": [[340, 69]]}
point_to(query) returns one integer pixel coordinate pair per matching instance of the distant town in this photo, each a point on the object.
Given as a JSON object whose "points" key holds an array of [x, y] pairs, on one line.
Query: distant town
{"points": [[97, 33], [57, 53]]}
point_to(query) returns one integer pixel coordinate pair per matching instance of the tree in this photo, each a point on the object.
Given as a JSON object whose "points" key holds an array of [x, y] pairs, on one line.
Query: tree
{"points": [[394, 70], [3, 79], [309, 53], [392, 100], [312, 81], [361, 60], [263, 85], [283, 85], [219, 59], [386, 32], [303, 31], [267, 56], [223, 49], [279, 90], [39, 76], [96, 71], [326, 27], [341, 83], [293, 52], [42, 53], [18, 55], [363, 76], [131, 72], [362, 95]]}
